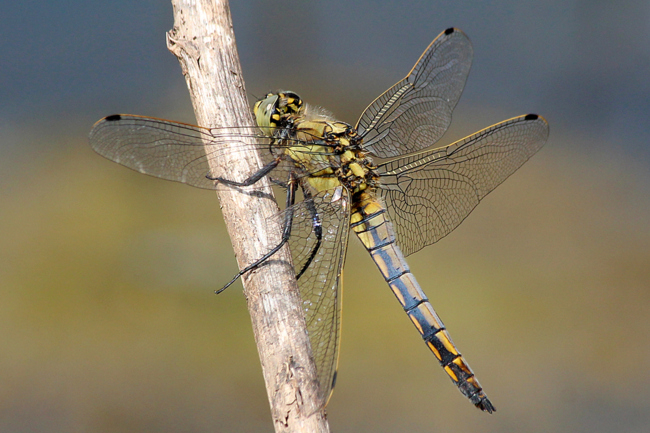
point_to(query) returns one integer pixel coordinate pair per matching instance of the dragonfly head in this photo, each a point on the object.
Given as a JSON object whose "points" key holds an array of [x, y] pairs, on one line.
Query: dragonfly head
{"points": [[276, 109]]}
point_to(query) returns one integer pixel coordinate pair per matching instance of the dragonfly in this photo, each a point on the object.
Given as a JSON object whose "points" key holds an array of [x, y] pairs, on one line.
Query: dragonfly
{"points": [[413, 198]]}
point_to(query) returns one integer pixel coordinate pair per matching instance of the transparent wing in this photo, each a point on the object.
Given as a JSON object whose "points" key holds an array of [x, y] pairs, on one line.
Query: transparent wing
{"points": [[430, 193], [416, 112], [182, 152], [319, 265]]}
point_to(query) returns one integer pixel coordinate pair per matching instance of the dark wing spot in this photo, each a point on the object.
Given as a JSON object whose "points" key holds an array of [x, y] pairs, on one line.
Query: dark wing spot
{"points": [[531, 117], [450, 30], [113, 118]]}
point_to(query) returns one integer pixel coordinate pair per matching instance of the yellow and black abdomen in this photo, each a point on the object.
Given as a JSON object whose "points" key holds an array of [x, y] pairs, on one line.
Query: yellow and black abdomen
{"points": [[375, 231]]}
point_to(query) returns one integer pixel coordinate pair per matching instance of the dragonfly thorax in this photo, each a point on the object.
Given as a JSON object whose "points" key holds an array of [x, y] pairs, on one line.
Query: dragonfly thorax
{"points": [[327, 151]]}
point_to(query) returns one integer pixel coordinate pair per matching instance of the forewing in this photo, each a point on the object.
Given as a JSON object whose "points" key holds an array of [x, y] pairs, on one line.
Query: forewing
{"points": [[320, 268], [416, 112], [430, 193], [182, 152]]}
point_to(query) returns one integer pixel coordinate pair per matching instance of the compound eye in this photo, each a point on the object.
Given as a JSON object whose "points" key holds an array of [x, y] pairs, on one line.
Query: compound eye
{"points": [[291, 95], [266, 113], [292, 101]]}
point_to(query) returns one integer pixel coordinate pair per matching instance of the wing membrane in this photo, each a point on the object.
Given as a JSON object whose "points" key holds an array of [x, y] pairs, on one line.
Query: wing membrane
{"points": [[321, 265], [416, 112], [181, 152], [430, 193]]}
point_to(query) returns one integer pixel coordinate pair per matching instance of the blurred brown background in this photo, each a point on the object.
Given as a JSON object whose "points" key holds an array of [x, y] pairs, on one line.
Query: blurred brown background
{"points": [[107, 318]]}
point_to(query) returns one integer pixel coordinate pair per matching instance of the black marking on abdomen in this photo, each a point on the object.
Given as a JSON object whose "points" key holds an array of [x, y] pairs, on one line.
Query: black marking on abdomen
{"points": [[393, 278]]}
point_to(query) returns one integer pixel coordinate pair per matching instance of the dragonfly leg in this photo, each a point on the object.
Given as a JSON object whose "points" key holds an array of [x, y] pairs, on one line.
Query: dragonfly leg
{"points": [[279, 183], [286, 233], [254, 178]]}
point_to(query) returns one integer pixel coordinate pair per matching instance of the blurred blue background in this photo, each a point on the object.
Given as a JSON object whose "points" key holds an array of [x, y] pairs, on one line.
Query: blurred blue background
{"points": [[106, 308]]}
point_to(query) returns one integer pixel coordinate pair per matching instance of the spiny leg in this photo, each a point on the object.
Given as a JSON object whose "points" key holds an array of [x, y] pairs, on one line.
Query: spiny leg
{"points": [[254, 178], [286, 233]]}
